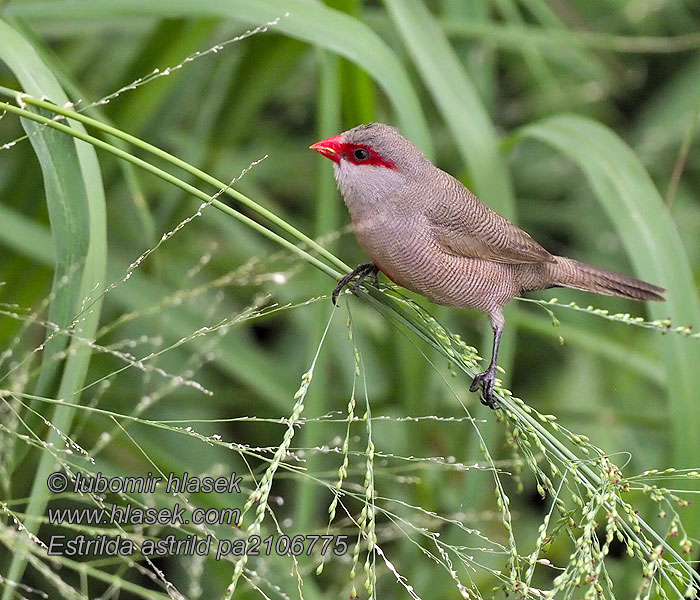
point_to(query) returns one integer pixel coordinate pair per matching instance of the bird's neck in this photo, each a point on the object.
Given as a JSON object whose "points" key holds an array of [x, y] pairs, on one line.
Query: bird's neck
{"points": [[368, 190]]}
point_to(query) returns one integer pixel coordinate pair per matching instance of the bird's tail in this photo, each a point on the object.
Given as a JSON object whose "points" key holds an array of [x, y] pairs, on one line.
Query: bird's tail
{"points": [[580, 276]]}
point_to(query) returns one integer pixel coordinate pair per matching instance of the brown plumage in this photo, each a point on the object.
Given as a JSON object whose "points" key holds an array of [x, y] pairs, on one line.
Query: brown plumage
{"points": [[427, 232]]}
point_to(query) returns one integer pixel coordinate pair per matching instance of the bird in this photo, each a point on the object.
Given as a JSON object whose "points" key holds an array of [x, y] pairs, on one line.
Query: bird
{"points": [[428, 233]]}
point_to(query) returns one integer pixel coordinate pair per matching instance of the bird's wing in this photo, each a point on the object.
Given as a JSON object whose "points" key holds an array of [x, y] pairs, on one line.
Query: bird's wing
{"points": [[463, 226], [509, 245]]}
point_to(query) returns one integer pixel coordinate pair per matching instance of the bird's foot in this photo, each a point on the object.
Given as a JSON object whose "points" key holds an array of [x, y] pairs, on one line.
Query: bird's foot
{"points": [[487, 379], [361, 272]]}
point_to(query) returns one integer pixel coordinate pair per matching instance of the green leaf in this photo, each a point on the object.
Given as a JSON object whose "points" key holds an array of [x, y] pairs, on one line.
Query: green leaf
{"points": [[633, 204], [76, 204], [458, 101], [306, 20]]}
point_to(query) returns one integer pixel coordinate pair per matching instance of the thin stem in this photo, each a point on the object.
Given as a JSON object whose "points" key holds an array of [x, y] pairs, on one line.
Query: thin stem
{"points": [[181, 184], [272, 217]]}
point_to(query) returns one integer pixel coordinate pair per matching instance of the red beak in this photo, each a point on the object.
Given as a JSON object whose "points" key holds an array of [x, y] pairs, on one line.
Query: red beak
{"points": [[330, 148]]}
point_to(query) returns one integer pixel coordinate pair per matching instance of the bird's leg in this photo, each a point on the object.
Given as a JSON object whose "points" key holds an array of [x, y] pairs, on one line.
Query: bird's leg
{"points": [[361, 272], [370, 270], [487, 379]]}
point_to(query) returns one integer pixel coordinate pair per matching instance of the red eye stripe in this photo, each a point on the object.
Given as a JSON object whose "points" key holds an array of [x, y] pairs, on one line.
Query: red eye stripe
{"points": [[336, 150], [348, 153]]}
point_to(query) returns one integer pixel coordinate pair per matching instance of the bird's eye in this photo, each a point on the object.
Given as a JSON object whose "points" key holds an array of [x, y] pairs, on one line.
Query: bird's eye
{"points": [[360, 154]]}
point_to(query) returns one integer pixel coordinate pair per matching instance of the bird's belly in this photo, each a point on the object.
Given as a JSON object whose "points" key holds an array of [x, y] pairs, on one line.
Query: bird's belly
{"points": [[414, 261]]}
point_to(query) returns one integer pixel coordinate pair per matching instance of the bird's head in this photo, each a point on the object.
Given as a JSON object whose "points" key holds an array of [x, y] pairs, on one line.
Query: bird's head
{"points": [[371, 159]]}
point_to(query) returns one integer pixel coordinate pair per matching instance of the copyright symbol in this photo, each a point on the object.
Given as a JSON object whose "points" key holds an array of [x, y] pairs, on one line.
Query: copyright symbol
{"points": [[57, 482]]}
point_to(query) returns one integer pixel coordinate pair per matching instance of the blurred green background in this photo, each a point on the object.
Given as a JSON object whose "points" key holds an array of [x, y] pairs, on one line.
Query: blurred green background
{"points": [[483, 87]]}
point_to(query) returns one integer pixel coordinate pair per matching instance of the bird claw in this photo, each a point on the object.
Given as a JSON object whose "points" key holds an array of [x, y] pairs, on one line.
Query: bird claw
{"points": [[361, 272], [487, 379]]}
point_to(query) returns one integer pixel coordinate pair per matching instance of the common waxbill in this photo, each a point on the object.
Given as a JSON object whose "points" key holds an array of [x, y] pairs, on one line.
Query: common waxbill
{"points": [[427, 232]]}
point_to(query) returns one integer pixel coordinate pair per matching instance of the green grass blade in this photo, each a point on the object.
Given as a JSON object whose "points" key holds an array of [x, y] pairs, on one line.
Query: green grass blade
{"points": [[75, 198], [474, 135], [74, 90], [635, 207], [309, 21], [479, 61], [222, 187], [458, 102]]}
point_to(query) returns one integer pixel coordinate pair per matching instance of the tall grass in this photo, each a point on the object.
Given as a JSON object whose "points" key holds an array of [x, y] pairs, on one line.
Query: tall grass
{"points": [[180, 346]]}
